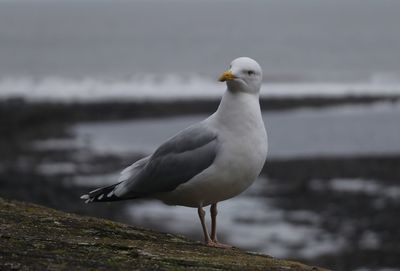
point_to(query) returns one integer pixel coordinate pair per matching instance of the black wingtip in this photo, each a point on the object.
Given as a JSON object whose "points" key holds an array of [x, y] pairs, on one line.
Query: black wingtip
{"points": [[101, 194]]}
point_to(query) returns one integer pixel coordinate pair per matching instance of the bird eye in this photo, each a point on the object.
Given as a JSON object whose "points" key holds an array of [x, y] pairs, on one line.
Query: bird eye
{"points": [[250, 72]]}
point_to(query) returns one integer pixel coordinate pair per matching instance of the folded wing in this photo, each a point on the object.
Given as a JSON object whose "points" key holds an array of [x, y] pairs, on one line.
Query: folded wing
{"points": [[175, 162]]}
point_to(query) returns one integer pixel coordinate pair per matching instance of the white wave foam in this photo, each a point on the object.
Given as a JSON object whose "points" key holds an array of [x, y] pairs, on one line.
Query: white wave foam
{"points": [[170, 88], [367, 187]]}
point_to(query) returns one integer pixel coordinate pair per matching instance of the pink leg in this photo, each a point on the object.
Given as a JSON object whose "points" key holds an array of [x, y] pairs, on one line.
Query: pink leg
{"points": [[202, 215], [214, 212]]}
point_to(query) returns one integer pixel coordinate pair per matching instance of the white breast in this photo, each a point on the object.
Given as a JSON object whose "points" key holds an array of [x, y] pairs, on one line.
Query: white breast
{"points": [[240, 159]]}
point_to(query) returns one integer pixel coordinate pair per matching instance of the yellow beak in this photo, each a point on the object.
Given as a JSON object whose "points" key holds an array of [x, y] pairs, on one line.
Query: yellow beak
{"points": [[227, 76]]}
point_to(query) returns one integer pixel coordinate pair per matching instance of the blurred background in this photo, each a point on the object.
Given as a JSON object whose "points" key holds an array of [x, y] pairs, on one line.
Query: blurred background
{"points": [[88, 87]]}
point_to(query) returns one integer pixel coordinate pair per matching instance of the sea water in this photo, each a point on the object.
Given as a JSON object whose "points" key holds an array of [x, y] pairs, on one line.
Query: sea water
{"points": [[294, 41]]}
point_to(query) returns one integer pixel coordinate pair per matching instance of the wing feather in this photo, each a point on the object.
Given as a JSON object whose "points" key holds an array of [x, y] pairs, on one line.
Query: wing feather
{"points": [[175, 162]]}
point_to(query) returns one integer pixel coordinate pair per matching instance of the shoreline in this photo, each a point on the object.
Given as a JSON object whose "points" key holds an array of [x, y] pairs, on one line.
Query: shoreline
{"points": [[23, 111], [331, 189]]}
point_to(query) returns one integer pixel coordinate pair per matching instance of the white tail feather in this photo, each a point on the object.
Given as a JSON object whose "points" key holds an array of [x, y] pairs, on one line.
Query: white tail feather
{"points": [[86, 196]]}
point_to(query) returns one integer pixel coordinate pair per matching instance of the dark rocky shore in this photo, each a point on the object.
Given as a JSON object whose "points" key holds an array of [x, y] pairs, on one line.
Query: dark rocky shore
{"points": [[19, 111], [37, 238], [293, 184]]}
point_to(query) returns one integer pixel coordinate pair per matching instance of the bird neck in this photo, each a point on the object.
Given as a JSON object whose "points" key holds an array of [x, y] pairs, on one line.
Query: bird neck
{"points": [[239, 109]]}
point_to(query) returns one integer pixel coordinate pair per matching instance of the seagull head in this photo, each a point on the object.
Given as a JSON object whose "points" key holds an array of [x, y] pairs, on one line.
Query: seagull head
{"points": [[244, 75]]}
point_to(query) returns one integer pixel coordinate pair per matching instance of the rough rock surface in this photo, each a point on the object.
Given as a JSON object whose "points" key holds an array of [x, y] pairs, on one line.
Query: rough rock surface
{"points": [[33, 237]]}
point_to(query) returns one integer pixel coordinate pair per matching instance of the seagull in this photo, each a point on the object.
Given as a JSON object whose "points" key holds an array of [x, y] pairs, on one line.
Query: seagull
{"points": [[208, 162]]}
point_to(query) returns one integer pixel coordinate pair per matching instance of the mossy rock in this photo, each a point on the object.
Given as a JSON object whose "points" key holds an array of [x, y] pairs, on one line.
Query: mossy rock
{"points": [[33, 237]]}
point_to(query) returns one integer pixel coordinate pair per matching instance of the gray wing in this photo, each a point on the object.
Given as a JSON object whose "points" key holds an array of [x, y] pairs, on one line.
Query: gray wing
{"points": [[175, 162]]}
